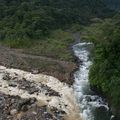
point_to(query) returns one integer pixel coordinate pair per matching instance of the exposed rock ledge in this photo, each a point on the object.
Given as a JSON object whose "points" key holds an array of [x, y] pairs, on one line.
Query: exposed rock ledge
{"points": [[27, 96]]}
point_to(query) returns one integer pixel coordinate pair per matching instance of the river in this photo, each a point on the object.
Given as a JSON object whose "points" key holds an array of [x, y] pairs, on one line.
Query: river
{"points": [[92, 106]]}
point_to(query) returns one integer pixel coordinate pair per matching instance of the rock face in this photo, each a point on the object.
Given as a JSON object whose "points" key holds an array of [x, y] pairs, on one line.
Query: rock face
{"points": [[14, 107], [27, 96]]}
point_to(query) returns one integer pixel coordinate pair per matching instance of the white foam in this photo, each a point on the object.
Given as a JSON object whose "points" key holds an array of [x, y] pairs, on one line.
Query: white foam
{"points": [[85, 101]]}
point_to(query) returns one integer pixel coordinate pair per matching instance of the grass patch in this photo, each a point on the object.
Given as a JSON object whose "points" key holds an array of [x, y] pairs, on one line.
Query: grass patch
{"points": [[55, 46]]}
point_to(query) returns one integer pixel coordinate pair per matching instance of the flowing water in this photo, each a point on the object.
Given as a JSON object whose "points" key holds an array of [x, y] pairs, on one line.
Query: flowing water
{"points": [[92, 107]]}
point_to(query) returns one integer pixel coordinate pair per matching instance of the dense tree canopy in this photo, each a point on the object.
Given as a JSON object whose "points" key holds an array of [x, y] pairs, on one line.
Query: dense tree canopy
{"points": [[105, 71], [33, 19]]}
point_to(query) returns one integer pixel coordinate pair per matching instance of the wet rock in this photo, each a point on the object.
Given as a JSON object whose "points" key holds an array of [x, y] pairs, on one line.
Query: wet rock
{"points": [[31, 111], [24, 79], [6, 76], [112, 117], [102, 108], [58, 113], [29, 108], [23, 105], [62, 112], [35, 71], [15, 74], [88, 98], [12, 85], [12, 101], [33, 90], [13, 112], [5, 86], [24, 108], [33, 100], [48, 116], [49, 91], [53, 93], [66, 105]]}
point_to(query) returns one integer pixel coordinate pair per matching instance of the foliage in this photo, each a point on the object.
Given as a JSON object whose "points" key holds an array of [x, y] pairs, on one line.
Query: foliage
{"points": [[34, 24], [34, 19], [105, 71], [55, 46]]}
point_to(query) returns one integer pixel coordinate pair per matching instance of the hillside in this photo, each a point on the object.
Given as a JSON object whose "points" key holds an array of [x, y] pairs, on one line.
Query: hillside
{"points": [[104, 75], [34, 19], [38, 27]]}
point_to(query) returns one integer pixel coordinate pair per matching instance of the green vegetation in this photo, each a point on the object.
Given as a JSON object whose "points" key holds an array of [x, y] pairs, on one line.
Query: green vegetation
{"points": [[55, 46], [34, 19], [105, 72], [34, 25]]}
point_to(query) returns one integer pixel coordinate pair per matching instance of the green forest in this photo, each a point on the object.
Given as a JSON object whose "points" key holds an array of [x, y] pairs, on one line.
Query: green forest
{"points": [[34, 19], [33, 24], [104, 74]]}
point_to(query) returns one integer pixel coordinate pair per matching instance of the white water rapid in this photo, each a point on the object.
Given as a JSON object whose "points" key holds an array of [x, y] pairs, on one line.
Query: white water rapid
{"points": [[92, 107]]}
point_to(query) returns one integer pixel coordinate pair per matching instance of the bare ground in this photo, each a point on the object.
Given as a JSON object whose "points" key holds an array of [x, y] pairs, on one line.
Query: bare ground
{"points": [[40, 64]]}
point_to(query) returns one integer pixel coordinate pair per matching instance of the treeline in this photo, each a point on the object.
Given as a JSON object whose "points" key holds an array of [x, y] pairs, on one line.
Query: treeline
{"points": [[105, 72], [114, 4], [34, 19]]}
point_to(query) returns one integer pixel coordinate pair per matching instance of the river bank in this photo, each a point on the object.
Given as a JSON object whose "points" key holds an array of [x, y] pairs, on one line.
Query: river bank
{"points": [[104, 74]]}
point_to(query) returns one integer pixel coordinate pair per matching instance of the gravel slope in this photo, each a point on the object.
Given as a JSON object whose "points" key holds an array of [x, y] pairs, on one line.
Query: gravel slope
{"points": [[49, 66]]}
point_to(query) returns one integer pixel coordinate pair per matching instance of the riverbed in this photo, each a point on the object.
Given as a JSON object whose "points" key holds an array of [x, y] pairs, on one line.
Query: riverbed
{"points": [[92, 106]]}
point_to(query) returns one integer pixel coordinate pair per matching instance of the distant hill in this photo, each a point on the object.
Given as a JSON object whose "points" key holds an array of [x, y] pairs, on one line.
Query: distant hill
{"points": [[114, 4], [35, 18]]}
